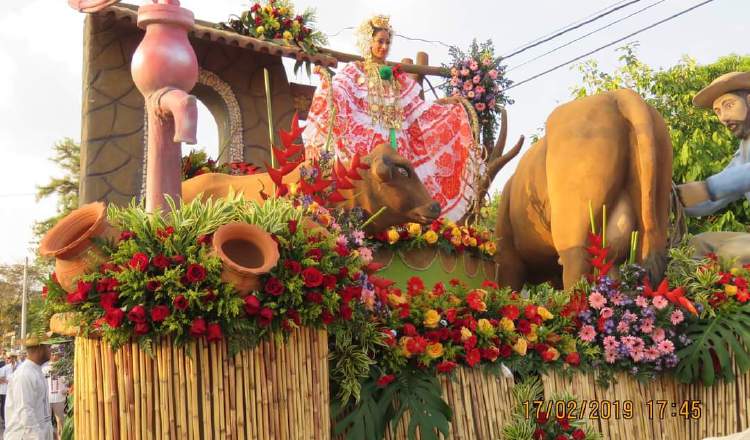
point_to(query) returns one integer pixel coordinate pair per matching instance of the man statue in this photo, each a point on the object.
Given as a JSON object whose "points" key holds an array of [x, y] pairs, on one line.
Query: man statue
{"points": [[729, 97]]}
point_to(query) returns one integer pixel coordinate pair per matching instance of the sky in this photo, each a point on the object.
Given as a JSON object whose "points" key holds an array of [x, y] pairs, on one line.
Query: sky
{"points": [[41, 62]]}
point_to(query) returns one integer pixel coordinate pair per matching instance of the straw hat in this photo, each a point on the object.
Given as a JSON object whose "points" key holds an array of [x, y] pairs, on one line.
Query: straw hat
{"points": [[36, 339], [729, 82]]}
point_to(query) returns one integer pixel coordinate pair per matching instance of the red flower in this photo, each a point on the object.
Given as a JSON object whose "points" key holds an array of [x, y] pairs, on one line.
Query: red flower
{"points": [[548, 356], [141, 328], [316, 254], [326, 317], [438, 289], [274, 287], [470, 342], [314, 297], [346, 312], [542, 418], [293, 266], [562, 437], [489, 284], [81, 294], [159, 313], [106, 284], [473, 357], [114, 317], [44, 292], [180, 302], [410, 330], [178, 259], [539, 434], [446, 367], [450, 315], [252, 305], [152, 285], [530, 311], [511, 312], [455, 282], [205, 239], [139, 261], [329, 282], [506, 351], [294, 316], [404, 311], [573, 359], [108, 300], [198, 327], [137, 314], [265, 316], [490, 354], [160, 262], [126, 235], [312, 277], [214, 332], [564, 423], [165, 233], [195, 273], [474, 300], [385, 380], [415, 286], [208, 296], [578, 434], [416, 345], [524, 327]]}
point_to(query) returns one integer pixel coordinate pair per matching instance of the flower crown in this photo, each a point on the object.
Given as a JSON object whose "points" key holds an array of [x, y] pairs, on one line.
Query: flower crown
{"points": [[366, 29]]}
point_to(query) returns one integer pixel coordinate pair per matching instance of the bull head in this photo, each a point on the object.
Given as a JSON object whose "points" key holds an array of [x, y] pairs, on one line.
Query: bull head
{"points": [[391, 182]]}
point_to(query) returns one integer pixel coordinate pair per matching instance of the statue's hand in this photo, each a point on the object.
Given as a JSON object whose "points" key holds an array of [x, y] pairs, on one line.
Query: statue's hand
{"points": [[90, 6], [693, 193]]}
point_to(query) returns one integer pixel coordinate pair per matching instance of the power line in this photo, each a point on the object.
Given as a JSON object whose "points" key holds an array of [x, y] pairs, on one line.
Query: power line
{"points": [[608, 45], [586, 35], [565, 31]]}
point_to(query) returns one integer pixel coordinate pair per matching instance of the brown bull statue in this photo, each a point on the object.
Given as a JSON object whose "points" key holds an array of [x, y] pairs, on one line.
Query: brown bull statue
{"points": [[389, 182], [610, 149]]}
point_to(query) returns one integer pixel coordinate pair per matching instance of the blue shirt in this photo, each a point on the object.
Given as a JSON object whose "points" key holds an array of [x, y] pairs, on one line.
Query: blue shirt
{"points": [[730, 185]]}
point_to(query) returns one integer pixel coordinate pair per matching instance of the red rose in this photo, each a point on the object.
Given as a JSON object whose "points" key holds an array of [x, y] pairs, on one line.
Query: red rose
{"points": [[415, 286], [214, 332], [346, 312], [141, 328], [252, 305], [473, 357], [539, 434], [578, 434], [573, 359], [292, 226], [294, 316], [314, 297], [180, 302], [274, 287], [178, 259], [455, 282], [548, 356], [114, 317], [450, 315], [209, 296], [108, 300], [530, 311], [160, 262], [446, 367], [489, 284], [342, 250], [439, 289], [316, 254], [106, 284], [139, 261], [312, 277], [343, 273], [385, 380], [350, 293], [165, 233], [159, 313], [416, 345], [76, 297], [152, 285], [329, 282], [470, 342], [410, 330], [564, 423], [198, 327], [506, 351], [524, 327], [326, 317], [511, 312], [541, 418], [195, 273], [404, 311], [293, 266], [205, 240], [126, 235], [137, 314], [265, 316], [562, 437], [490, 354]]}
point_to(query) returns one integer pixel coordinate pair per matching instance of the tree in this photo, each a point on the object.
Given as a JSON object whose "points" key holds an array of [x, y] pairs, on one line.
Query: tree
{"points": [[67, 154], [11, 287], [702, 146]]}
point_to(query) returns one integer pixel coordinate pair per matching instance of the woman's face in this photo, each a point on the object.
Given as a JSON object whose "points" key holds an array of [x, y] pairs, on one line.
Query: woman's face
{"points": [[380, 44]]}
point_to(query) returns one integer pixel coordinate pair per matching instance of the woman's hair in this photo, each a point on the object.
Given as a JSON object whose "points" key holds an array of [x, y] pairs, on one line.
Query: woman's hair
{"points": [[368, 29]]}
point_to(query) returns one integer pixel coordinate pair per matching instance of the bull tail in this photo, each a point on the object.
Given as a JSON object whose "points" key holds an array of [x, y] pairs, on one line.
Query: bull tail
{"points": [[652, 223]]}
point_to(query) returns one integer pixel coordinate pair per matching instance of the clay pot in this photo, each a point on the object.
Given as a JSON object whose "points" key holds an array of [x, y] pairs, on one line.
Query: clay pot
{"points": [[60, 323], [69, 241], [247, 252]]}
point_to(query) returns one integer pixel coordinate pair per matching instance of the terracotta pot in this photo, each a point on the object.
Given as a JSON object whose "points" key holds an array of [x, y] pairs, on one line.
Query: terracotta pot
{"points": [[69, 241], [247, 252], [60, 323]]}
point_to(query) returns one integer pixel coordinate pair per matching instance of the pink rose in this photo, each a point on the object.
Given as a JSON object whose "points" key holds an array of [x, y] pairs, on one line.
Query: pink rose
{"points": [[468, 86], [493, 74], [477, 79]]}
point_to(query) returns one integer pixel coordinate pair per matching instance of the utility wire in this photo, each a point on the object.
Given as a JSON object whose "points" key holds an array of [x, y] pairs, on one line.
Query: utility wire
{"points": [[585, 35], [565, 31], [609, 44]]}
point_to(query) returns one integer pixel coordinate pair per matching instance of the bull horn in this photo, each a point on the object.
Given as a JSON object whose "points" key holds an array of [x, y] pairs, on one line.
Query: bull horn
{"points": [[246, 252]]}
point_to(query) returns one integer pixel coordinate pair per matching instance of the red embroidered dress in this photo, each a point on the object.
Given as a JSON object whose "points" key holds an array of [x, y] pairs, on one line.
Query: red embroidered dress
{"points": [[436, 138]]}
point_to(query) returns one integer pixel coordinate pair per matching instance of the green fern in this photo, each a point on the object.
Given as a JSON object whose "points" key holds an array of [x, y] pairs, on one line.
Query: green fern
{"points": [[727, 336]]}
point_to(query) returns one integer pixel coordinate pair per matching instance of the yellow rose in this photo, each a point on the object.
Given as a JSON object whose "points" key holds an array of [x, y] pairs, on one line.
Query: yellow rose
{"points": [[456, 241], [485, 328], [465, 333], [275, 24], [473, 242], [435, 350], [295, 26], [490, 248], [532, 337], [456, 232], [466, 240], [260, 30], [544, 313], [521, 346], [283, 10], [313, 207], [396, 300], [730, 289], [555, 353], [507, 325], [287, 35], [454, 300], [734, 271], [414, 229], [268, 9], [449, 224], [431, 318], [430, 237], [392, 235]]}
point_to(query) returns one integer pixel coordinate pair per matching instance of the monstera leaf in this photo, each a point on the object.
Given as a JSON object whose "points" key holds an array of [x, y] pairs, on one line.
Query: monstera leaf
{"points": [[365, 420], [716, 344], [419, 395]]}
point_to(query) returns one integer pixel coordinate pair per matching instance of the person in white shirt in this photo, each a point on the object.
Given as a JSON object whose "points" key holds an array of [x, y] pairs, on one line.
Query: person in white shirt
{"points": [[5, 373], [58, 390], [27, 410]]}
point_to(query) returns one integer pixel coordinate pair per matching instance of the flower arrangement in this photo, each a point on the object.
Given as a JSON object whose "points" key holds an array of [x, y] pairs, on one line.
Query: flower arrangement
{"points": [[198, 162], [443, 233], [277, 21], [479, 76]]}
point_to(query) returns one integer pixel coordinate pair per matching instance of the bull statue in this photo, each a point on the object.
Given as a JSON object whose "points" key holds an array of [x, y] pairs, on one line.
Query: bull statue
{"points": [[609, 149], [389, 182]]}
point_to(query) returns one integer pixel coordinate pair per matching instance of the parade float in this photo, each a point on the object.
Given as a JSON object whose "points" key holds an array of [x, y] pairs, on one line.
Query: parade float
{"points": [[292, 296]]}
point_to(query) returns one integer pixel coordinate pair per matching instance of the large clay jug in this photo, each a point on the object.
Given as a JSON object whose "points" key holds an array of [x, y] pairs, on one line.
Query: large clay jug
{"points": [[70, 242], [247, 252]]}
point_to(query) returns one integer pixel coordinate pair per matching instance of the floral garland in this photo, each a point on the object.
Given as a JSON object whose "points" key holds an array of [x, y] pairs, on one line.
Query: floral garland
{"points": [[444, 234], [479, 76], [278, 22]]}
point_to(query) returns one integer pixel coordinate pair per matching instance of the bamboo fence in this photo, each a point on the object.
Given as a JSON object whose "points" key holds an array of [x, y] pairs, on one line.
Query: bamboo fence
{"points": [[276, 391], [725, 406], [481, 405]]}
